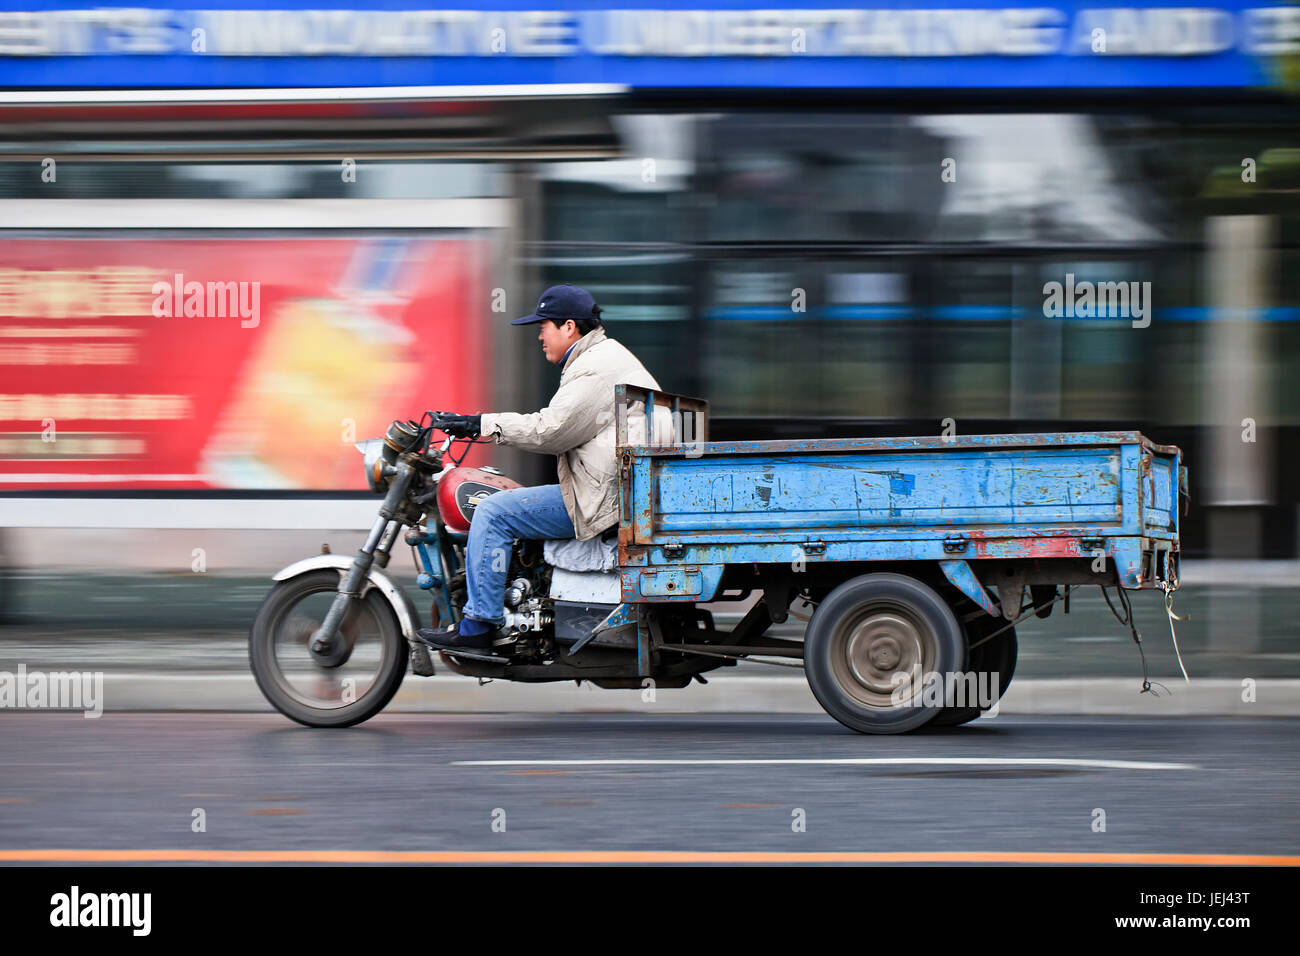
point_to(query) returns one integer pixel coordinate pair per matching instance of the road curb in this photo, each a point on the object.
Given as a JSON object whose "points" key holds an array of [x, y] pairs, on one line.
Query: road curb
{"points": [[1274, 697]]}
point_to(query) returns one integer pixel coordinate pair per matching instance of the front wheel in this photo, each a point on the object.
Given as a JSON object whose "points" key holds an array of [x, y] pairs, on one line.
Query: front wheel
{"points": [[874, 649], [355, 682]]}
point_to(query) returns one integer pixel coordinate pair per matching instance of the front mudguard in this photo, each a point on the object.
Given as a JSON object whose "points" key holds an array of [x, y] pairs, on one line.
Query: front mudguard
{"points": [[407, 616]]}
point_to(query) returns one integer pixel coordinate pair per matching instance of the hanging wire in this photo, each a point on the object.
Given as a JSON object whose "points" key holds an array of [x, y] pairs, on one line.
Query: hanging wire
{"points": [[1169, 609], [1148, 686], [468, 443]]}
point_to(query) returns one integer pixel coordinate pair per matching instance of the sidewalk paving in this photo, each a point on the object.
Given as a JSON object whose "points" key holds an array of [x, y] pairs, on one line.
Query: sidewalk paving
{"points": [[727, 693]]}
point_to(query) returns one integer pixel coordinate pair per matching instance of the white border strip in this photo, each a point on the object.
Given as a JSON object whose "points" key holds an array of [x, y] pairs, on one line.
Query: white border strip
{"points": [[261, 214], [321, 514], [307, 94]]}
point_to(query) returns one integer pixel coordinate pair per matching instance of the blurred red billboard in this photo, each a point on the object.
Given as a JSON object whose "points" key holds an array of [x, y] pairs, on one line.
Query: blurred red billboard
{"points": [[232, 363]]}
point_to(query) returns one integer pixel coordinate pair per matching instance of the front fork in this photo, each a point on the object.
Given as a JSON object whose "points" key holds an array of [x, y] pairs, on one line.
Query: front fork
{"points": [[324, 643]]}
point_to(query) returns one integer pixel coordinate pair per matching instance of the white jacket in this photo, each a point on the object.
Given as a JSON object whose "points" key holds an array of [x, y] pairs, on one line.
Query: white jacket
{"points": [[578, 427]]}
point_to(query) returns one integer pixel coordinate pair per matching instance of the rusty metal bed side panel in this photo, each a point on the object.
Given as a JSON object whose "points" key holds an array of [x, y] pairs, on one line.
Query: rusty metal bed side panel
{"points": [[1073, 501], [916, 492]]}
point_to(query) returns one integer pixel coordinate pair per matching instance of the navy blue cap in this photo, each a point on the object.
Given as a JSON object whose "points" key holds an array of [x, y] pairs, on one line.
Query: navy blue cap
{"points": [[561, 302]]}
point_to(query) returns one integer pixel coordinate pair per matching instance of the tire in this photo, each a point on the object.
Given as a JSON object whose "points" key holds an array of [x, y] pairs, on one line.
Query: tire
{"points": [[997, 656], [275, 627], [867, 635]]}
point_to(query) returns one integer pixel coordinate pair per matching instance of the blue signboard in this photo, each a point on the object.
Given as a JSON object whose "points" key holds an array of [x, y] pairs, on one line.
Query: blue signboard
{"points": [[892, 44]]}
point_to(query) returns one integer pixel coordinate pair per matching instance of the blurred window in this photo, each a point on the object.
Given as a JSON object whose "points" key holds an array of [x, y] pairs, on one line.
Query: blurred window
{"points": [[374, 179]]}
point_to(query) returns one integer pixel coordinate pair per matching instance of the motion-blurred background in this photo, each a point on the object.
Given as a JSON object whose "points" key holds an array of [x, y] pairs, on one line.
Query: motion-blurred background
{"points": [[824, 221]]}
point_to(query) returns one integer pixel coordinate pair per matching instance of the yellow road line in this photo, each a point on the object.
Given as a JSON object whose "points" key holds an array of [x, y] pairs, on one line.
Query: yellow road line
{"points": [[623, 856]]}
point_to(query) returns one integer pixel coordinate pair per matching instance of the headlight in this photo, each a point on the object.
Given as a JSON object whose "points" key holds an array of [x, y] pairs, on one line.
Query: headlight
{"points": [[372, 455]]}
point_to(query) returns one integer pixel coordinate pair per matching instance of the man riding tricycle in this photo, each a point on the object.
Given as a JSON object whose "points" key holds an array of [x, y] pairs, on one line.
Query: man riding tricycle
{"points": [[892, 548]]}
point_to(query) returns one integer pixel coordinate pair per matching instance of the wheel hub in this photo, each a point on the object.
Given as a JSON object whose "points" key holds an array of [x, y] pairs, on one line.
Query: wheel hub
{"points": [[882, 651], [330, 654]]}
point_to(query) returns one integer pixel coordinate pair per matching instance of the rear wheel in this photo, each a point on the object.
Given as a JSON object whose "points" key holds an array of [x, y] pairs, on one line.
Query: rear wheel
{"points": [[351, 684], [994, 657], [874, 648]]}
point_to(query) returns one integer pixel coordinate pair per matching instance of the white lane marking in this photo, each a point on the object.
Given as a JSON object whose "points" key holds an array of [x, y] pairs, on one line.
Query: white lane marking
{"points": [[844, 761]]}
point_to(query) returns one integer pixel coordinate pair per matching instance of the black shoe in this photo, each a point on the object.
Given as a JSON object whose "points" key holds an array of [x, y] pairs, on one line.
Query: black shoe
{"points": [[450, 638]]}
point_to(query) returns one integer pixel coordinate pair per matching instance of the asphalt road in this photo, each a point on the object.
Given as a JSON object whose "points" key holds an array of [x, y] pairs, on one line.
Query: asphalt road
{"points": [[416, 783]]}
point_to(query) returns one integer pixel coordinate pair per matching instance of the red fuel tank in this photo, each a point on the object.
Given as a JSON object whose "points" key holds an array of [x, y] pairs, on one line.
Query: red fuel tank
{"points": [[461, 489]]}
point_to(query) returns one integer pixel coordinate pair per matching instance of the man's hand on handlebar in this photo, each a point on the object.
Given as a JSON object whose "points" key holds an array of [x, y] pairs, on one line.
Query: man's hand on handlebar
{"points": [[459, 426]]}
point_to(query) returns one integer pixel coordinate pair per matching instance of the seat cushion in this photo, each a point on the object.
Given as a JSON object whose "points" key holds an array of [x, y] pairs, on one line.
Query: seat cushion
{"points": [[594, 554]]}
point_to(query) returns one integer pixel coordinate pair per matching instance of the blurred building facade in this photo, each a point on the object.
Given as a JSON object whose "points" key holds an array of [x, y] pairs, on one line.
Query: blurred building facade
{"points": [[855, 242]]}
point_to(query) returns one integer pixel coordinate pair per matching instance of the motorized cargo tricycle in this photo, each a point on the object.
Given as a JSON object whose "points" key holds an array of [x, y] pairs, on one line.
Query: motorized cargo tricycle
{"points": [[912, 560]]}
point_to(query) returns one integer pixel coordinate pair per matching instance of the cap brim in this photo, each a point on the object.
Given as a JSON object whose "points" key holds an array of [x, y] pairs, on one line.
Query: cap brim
{"points": [[528, 319]]}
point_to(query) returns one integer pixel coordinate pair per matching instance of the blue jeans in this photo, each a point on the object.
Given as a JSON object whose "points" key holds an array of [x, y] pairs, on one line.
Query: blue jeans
{"points": [[536, 512]]}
